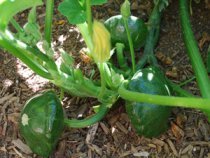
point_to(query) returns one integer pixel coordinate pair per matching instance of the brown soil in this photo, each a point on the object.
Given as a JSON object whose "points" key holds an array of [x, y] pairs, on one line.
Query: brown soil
{"points": [[113, 137]]}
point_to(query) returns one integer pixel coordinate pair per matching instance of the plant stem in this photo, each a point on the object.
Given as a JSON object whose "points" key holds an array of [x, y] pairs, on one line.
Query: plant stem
{"points": [[18, 28], [103, 81], [67, 83], [120, 56], [198, 103], [208, 59], [191, 12], [108, 76], [193, 51], [152, 39], [21, 52], [178, 89], [48, 21], [103, 109], [61, 94], [187, 81], [130, 45], [83, 28], [89, 17]]}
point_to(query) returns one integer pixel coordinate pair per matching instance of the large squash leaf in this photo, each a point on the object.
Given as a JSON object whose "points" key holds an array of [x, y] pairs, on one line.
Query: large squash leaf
{"points": [[75, 11]]}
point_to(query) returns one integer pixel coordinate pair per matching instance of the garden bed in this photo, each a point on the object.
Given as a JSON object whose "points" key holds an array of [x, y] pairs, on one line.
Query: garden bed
{"points": [[114, 136]]}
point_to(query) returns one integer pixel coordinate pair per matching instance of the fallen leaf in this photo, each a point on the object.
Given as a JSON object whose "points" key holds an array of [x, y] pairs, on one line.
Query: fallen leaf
{"points": [[177, 131], [23, 147], [91, 133]]}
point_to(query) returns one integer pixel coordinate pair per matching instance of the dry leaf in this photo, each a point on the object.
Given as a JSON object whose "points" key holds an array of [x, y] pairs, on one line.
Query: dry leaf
{"points": [[177, 132], [23, 147], [91, 133]]}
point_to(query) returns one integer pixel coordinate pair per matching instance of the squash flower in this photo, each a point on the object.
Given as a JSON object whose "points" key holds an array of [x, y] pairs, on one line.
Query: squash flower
{"points": [[101, 43]]}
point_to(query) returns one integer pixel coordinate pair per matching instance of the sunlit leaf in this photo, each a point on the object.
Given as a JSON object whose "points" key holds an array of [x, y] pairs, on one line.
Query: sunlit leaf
{"points": [[73, 10], [8, 8]]}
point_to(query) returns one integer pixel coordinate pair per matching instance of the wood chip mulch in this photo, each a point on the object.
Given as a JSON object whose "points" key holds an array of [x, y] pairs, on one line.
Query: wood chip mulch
{"points": [[188, 135]]}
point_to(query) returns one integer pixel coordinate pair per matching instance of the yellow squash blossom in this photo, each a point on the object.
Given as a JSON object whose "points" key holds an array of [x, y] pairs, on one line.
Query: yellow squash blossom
{"points": [[101, 43]]}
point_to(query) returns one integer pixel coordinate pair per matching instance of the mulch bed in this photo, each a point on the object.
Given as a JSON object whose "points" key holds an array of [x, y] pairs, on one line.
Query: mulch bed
{"points": [[113, 137]]}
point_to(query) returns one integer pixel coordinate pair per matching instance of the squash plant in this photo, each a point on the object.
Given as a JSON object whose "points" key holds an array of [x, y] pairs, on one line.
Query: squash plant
{"points": [[40, 116]]}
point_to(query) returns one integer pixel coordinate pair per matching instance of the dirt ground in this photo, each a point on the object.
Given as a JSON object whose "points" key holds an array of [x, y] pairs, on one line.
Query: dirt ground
{"points": [[113, 137]]}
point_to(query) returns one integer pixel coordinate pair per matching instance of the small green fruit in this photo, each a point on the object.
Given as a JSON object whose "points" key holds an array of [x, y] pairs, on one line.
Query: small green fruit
{"points": [[42, 122]]}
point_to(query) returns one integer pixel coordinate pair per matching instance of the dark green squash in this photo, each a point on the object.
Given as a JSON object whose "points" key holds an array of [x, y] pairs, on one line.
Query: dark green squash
{"points": [[148, 120], [137, 28], [42, 122]]}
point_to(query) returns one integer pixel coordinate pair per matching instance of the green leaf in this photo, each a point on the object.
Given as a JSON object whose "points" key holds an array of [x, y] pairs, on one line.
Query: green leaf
{"points": [[66, 69], [82, 2], [48, 50], [73, 10], [8, 8], [68, 60], [32, 15], [98, 2], [162, 4], [125, 10], [31, 34], [117, 78]]}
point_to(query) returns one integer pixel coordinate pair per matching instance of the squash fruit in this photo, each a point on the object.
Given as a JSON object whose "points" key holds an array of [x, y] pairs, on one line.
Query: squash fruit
{"points": [[42, 122], [137, 27], [149, 120]]}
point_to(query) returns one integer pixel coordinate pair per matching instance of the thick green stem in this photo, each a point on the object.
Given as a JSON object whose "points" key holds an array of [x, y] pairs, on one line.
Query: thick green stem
{"points": [[48, 21], [103, 81], [20, 51], [88, 121], [87, 89], [198, 103], [120, 56], [152, 39], [89, 17], [193, 51], [130, 45]]}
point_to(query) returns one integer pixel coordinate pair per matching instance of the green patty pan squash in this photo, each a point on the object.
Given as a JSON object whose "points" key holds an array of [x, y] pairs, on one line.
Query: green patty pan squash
{"points": [[149, 120], [137, 27], [42, 122]]}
